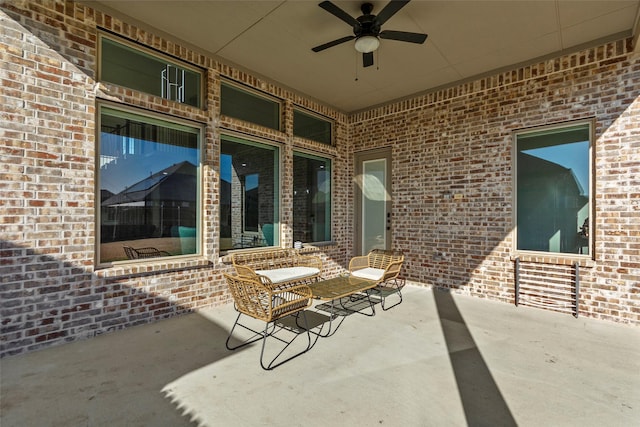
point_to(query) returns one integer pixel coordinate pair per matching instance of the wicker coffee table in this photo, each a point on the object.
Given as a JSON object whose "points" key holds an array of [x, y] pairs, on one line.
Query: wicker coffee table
{"points": [[336, 291]]}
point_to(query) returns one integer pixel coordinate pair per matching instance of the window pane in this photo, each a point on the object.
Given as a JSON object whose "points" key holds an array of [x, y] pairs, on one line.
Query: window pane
{"points": [[311, 198], [553, 177], [311, 127], [148, 177], [249, 194], [249, 107], [136, 69], [374, 205]]}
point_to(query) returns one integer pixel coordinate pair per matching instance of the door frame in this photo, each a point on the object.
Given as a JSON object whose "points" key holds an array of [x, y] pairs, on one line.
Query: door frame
{"points": [[359, 158]]}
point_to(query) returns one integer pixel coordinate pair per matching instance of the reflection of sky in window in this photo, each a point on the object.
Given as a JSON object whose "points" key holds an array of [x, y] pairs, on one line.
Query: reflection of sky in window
{"points": [[251, 181], [571, 156], [225, 167], [128, 170]]}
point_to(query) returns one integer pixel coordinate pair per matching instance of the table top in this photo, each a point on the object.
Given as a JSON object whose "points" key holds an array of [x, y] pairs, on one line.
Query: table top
{"points": [[341, 286]]}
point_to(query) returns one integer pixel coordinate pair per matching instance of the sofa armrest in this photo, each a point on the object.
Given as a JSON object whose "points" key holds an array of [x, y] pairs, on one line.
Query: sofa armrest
{"points": [[359, 262], [245, 270], [309, 261], [392, 270]]}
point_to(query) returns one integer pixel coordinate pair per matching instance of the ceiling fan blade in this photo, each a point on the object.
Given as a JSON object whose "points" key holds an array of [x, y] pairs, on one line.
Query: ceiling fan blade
{"points": [[339, 13], [390, 9], [367, 59], [332, 43], [403, 36]]}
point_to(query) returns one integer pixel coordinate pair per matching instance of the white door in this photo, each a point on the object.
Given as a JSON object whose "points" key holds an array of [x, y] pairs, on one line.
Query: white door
{"points": [[373, 201]]}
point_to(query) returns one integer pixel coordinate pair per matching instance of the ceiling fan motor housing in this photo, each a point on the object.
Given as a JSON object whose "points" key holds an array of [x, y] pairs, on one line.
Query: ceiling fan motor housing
{"points": [[367, 23]]}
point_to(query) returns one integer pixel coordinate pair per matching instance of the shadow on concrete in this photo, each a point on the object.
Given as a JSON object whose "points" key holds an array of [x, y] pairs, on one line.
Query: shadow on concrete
{"points": [[114, 379], [481, 398]]}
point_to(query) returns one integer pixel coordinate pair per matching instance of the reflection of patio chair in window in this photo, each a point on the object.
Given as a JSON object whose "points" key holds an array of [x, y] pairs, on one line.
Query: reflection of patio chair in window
{"points": [[267, 232], [249, 241], [255, 299], [383, 267], [139, 253]]}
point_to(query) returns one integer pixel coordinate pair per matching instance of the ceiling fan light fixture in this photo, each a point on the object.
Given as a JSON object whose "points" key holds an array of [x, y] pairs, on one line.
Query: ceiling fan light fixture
{"points": [[367, 44]]}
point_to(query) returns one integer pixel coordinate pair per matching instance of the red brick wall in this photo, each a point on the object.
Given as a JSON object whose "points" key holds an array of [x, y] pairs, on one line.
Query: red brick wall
{"points": [[457, 139]]}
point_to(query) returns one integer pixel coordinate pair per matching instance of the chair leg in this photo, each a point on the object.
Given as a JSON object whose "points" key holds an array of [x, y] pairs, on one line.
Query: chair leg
{"points": [[256, 337], [395, 287], [272, 364]]}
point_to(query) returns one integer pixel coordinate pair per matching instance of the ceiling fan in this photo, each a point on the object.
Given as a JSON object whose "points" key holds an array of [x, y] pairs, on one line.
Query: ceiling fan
{"points": [[367, 28]]}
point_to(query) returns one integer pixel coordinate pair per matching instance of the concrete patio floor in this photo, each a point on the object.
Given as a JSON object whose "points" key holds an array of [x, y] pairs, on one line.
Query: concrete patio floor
{"points": [[438, 359]]}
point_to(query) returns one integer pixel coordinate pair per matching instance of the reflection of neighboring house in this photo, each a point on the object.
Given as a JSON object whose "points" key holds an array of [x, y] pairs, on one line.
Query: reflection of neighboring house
{"points": [[150, 207], [105, 194], [551, 205]]}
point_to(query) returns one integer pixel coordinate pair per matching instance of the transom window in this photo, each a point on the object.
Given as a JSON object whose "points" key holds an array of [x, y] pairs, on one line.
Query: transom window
{"points": [[311, 198], [553, 182], [249, 194], [311, 126], [249, 105], [149, 188], [129, 65]]}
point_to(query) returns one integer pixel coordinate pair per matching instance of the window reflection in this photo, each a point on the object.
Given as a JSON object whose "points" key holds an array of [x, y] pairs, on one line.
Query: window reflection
{"points": [[148, 176], [248, 194], [311, 198]]}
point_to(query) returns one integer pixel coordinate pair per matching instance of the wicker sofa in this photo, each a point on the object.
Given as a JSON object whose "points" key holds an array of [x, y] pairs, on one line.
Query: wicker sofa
{"points": [[278, 268]]}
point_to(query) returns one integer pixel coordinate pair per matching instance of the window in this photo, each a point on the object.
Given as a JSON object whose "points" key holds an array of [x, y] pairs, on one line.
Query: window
{"points": [[149, 188], [248, 105], [311, 198], [249, 194], [553, 181], [135, 67], [311, 126]]}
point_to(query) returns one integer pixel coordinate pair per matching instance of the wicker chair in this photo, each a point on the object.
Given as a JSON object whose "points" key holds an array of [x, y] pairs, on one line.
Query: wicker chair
{"points": [[383, 267], [252, 298], [139, 253]]}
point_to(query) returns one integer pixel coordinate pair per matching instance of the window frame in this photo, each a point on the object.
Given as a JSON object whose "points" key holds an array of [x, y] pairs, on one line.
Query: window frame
{"points": [[145, 50], [241, 87], [331, 160], [154, 117], [549, 255], [332, 124]]}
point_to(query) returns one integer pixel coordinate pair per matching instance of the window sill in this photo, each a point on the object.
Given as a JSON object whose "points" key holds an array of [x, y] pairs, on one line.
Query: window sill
{"points": [[145, 267]]}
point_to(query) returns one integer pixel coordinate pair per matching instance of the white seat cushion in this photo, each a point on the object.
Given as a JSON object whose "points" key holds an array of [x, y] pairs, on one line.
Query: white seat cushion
{"points": [[286, 274], [369, 273]]}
